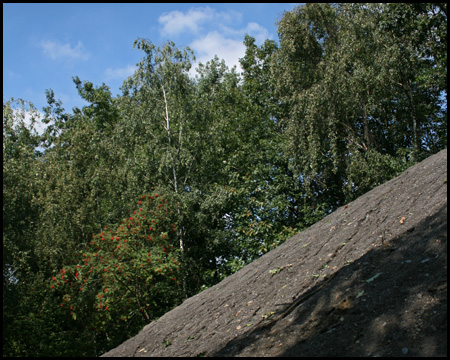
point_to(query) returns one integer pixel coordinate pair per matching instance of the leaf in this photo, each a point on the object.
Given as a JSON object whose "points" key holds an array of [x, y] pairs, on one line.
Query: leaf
{"points": [[275, 271], [167, 343], [374, 277]]}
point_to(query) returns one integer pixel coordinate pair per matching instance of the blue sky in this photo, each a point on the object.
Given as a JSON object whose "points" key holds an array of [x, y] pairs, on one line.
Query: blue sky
{"points": [[45, 45]]}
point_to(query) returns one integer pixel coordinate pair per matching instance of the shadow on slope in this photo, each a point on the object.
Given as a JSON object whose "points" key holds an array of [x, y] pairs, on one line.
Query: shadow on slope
{"points": [[390, 302]]}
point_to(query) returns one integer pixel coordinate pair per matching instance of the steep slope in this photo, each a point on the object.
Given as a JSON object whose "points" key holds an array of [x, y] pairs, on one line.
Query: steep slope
{"points": [[370, 279]]}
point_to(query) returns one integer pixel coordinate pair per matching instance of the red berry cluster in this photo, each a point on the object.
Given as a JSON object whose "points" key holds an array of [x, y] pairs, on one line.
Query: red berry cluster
{"points": [[132, 269]]}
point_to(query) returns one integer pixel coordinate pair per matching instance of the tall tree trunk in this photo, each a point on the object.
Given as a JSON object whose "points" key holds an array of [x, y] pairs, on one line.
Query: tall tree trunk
{"points": [[415, 140], [175, 182]]}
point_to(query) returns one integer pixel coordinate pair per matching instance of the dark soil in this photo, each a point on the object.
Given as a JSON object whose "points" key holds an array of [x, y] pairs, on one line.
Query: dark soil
{"points": [[370, 279]]}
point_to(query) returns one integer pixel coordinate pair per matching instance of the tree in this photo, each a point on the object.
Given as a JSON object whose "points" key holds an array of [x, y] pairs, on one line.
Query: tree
{"points": [[356, 106], [123, 278], [27, 259], [423, 29], [19, 214], [157, 102]]}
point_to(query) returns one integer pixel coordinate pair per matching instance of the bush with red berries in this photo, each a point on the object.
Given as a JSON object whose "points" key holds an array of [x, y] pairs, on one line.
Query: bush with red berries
{"points": [[125, 273]]}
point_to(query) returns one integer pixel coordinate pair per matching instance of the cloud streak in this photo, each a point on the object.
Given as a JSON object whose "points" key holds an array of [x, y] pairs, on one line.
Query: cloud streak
{"points": [[57, 51]]}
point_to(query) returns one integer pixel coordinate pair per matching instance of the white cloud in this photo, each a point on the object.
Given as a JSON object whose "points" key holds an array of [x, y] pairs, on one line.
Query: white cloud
{"points": [[120, 73], [176, 22], [227, 44], [214, 33], [195, 20], [55, 50], [260, 33], [38, 125], [215, 43], [29, 118]]}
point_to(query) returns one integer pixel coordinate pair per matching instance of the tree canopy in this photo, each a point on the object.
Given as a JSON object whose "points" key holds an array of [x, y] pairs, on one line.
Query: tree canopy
{"points": [[122, 209]]}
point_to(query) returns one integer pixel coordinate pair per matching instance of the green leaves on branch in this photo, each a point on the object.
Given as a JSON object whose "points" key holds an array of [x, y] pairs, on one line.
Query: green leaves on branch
{"points": [[123, 272], [353, 83]]}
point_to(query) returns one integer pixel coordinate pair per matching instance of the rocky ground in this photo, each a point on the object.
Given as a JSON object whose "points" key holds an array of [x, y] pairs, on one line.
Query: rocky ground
{"points": [[370, 279]]}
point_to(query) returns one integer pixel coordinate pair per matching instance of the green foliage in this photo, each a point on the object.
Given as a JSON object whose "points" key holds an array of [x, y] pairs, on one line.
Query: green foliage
{"points": [[19, 217], [124, 275], [351, 96], [356, 98], [19, 142]]}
